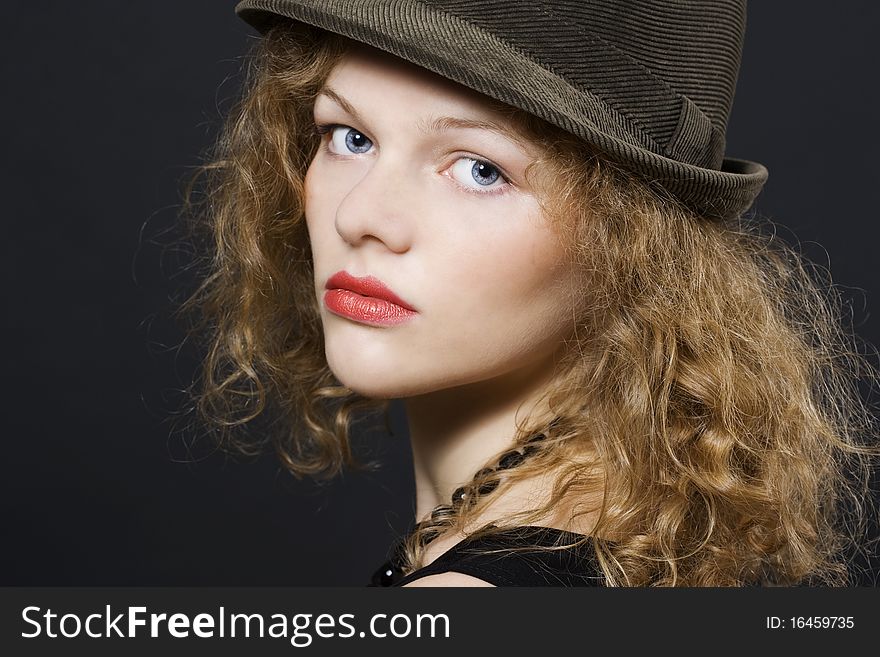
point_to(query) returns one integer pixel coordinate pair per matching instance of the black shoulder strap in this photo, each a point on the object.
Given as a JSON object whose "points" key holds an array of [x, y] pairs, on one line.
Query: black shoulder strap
{"points": [[481, 558]]}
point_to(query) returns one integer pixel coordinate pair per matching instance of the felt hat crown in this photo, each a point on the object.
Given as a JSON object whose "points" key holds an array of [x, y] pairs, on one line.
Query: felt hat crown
{"points": [[648, 82]]}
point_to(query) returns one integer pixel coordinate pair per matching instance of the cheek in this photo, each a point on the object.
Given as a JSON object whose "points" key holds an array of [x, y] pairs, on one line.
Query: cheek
{"points": [[517, 285], [512, 265], [313, 198], [319, 203]]}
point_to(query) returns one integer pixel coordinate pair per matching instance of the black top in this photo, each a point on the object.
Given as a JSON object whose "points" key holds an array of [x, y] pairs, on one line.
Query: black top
{"points": [[561, 567]]}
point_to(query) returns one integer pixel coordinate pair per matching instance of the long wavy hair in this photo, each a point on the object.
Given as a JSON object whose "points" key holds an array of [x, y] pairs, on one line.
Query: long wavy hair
{"points": [[710, 393]]}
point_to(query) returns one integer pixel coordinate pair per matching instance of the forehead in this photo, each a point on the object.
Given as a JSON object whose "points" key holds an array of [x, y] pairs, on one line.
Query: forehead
{"points": [[380, 67], [364, 73]]}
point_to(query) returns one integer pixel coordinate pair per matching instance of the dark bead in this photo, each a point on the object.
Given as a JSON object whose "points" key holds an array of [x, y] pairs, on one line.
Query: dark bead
{"points": [[386, 575], [510, 459], [459, 496], [528, 450], [442, 513], [488, 486]]}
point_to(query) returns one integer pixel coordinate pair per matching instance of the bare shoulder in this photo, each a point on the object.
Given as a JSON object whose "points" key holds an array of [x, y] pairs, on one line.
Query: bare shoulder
{"points": [[449, 579]]}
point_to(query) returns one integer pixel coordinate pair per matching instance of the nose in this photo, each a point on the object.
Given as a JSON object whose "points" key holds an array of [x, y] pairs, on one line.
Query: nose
{"points": [[380, 207]]}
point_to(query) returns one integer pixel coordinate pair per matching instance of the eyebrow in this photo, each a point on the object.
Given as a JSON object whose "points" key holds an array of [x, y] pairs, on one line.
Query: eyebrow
{"points": [[438, 124]]}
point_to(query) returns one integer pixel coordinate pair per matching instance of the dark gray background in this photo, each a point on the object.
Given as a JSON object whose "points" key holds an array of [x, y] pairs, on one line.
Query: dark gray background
{"points": [[106, 107]]}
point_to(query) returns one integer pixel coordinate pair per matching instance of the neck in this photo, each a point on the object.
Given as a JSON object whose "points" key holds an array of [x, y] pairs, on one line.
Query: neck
{"points": [[454, 432]]}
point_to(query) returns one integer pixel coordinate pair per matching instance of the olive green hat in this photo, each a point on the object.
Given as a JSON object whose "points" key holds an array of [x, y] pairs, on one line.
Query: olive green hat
{"points": [[650, 83]]}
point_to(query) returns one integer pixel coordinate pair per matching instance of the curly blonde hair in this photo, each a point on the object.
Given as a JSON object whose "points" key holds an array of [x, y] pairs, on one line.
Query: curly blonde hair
{"points": [[710, 392]]}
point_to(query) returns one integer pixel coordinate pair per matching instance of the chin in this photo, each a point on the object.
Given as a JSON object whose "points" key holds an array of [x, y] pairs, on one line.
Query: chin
{"points": [[373, 387], [390, 380], [376, 378]]}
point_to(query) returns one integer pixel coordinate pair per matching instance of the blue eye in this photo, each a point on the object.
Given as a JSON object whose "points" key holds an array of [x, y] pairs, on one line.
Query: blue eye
{"points": [[343, 138], [484, 173], [477, 175]]}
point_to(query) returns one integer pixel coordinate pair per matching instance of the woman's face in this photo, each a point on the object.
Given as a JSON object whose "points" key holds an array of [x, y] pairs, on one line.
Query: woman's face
{"points": [[417, 185]]}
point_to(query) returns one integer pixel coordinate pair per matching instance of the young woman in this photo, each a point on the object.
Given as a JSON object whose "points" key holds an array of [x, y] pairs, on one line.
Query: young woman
{"points": [[517, 218]]}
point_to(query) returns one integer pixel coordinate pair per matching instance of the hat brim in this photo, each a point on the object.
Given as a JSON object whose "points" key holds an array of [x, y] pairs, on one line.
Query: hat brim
{"points": [[445, 44]]}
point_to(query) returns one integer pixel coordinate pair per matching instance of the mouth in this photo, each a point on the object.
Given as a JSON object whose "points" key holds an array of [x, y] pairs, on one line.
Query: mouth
{"points": [[366, 300]]}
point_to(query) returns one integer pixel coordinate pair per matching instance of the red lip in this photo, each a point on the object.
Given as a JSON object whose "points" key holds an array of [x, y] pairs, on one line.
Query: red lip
{"points": [[365, 300], [369, 286]]}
